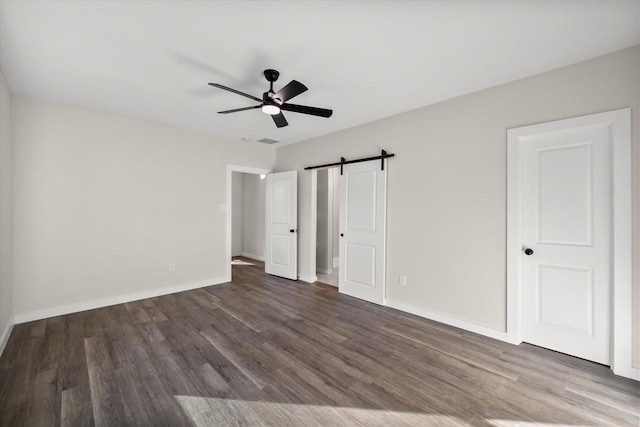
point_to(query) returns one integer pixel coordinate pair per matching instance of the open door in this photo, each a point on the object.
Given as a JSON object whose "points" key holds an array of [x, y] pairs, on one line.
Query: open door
{"points": [[363, 193], [281, 216]]}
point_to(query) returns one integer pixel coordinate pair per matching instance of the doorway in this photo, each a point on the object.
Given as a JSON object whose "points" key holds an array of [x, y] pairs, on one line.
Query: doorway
{"points": [[245, 209], [247, 218], [328, 226]]}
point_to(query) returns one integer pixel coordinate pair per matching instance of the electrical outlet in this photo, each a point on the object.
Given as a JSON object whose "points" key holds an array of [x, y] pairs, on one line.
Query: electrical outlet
{"points": [[172, 268], [403, 280]]}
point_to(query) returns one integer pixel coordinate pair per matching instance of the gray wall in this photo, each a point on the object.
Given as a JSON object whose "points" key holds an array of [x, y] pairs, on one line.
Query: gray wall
{"points": [[253, 217], [237, 212], [6, 214], [328, 220], [335, 172], [324, 241], [247, 222], [446, 208], [103, 204]]}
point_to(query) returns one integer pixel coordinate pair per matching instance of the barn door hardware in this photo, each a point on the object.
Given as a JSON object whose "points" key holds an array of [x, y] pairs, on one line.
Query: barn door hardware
{"points": [[383, 155]]}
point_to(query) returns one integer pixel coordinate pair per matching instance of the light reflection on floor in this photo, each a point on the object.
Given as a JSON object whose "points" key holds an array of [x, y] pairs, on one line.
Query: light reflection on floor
{"points": [[329, 279], [240, 262], [228, 412]]}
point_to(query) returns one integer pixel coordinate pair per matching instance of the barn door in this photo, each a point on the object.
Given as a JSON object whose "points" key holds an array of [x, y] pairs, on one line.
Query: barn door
{"points": [[363, 192]]}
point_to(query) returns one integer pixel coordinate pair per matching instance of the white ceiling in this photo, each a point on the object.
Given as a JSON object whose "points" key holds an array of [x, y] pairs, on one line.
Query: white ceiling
{"points": [[365, 59]]}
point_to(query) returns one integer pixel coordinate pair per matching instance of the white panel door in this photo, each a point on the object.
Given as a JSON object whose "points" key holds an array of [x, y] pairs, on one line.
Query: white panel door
{"points": [[281, 225], [566, 217], [363, 193]]}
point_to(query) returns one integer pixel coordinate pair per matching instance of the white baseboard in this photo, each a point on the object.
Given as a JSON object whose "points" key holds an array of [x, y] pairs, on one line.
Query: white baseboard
{"points": [[253, 256], [308, 279], [628, 372], [462, 324], [336, 262], [5, 334], [105, 302], [323, 271]]}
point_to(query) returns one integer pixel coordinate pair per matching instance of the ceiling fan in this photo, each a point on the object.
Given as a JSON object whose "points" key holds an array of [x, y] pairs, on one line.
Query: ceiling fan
{"points": [[273, 103]]}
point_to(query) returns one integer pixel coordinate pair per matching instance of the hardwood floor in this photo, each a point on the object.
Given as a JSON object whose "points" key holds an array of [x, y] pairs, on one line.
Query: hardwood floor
{"points": [[269, 351]]}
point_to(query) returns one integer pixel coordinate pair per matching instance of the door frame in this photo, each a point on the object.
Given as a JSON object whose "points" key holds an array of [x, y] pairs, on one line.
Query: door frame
{"points": [[621, 322], [228, 207]]}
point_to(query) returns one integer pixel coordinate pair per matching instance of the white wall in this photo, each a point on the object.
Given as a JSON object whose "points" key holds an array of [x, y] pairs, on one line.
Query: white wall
{"points": [[103, 204], [237, 212], [6, 214], [446, 207], [253, 216]]}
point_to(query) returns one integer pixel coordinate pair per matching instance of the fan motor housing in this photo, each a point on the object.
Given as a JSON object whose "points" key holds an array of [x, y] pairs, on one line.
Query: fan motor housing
{"points": [[271, 75]]}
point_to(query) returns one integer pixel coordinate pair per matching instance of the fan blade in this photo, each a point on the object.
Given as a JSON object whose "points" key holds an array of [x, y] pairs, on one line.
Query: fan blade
{"points": [[279, 120], [294, 88], [219, 86], [239, 109], [314, 111]]}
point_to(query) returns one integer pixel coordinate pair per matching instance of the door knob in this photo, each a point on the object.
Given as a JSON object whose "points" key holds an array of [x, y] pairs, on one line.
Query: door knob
{"points": [[292, 231], [528, 251], [341, 235]]}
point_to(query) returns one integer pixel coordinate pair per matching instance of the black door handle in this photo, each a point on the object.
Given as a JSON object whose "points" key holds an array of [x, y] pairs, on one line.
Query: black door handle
{"points": [[341, 235], [292, 231], [528, 251]]}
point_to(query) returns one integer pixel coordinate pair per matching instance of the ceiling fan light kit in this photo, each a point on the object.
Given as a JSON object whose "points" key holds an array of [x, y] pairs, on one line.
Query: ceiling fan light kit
{"points": [[273, 103], [270, 109]]}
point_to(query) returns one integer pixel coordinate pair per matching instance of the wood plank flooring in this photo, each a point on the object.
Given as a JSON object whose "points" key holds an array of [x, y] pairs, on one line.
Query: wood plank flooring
{"points": [[268, 351]]}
